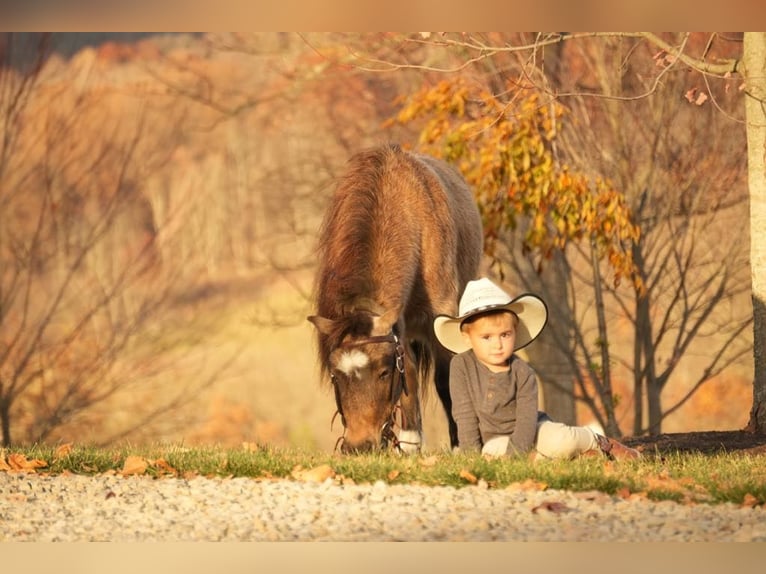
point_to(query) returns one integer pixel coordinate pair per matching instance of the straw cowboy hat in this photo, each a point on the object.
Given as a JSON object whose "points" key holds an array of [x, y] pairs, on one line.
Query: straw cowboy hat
{"points": [[483, 295]]}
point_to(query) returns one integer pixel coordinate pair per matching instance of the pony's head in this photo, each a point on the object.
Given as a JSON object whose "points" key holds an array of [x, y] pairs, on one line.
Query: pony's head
{"points": [[365, 360]]}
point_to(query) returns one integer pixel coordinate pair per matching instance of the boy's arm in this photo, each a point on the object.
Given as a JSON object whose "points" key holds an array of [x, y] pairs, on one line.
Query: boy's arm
{"points": [[523, 437], [463, 411]]}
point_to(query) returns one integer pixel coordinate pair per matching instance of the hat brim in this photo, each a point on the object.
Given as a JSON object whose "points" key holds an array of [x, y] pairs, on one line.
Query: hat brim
{"points": [[530, 309]]}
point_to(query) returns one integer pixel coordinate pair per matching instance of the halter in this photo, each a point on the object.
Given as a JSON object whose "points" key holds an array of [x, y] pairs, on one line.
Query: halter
{"points": [[398, 383]]}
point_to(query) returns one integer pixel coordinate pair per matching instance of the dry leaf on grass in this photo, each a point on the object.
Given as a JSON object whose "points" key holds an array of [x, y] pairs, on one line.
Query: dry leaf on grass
{"points": [[750, 501], [393, 474], [134, 465], [468, 476], [163, 467], [19, 462], [528, 484], [687, 487], [316, 474], [429, 460], [62, 451], [623, 492]]}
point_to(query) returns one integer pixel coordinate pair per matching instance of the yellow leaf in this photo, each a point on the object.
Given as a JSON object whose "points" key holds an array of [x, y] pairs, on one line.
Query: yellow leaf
{"points": [[429, 460], [162, 465], [134, 465], [623, 492], [528, 484], [62, 451], [468, 476], [19, 462], [316, 474]]}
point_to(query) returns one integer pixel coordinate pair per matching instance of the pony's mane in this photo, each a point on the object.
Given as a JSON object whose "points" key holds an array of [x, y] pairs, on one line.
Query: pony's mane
{"points": [[345, 243]]}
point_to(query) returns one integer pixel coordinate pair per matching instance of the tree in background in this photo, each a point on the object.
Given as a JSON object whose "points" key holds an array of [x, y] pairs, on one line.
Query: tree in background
{"points": [[754, 71], [636, 129], [678, 161], [82, 282], [623, 91], [272, 123], [504, 148]]}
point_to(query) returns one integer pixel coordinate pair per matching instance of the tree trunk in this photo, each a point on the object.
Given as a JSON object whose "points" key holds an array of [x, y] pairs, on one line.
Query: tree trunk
{"points": [[604, 370], [754, 60], [549, 356], [654, 406], [5, 422]]}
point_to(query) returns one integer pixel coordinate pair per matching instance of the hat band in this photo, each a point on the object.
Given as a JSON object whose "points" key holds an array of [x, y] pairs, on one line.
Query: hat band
{"points": [[473, 312]]}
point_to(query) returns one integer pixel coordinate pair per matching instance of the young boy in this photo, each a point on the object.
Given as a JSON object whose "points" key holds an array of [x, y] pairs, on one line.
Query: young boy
{"points": [[494, 392]]}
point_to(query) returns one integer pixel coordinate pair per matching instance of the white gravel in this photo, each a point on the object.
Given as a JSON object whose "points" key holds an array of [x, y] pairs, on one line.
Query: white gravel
{"points": [[138, 508]]}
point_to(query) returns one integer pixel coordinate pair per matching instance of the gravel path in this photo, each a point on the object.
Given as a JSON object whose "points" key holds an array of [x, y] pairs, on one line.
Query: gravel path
{"points": [[139, 508]]}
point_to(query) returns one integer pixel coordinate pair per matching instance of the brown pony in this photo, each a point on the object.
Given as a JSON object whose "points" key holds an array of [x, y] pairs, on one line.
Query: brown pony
{"points": [[401, 238]]}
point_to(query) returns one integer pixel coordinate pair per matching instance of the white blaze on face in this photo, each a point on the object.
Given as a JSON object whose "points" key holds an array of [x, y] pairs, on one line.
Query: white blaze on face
{"points": [[351, 362]]}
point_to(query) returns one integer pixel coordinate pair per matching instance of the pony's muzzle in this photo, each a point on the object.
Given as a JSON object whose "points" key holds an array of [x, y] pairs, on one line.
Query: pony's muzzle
{"points": [[358, 448]]}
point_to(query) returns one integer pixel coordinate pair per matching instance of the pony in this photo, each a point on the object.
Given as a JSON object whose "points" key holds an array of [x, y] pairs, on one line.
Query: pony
{"points": [[400, 239]]}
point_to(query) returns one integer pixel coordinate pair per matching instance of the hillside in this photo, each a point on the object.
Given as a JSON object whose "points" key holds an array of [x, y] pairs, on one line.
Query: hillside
{"points": [[210, 157]]}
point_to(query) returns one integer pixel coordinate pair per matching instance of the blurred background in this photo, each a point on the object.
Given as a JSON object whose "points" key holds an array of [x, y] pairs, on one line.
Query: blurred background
{"points": [[160, 196]]}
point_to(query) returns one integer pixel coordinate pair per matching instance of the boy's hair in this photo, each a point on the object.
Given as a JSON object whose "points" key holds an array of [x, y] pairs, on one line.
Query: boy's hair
{"points": [[490, 314]]}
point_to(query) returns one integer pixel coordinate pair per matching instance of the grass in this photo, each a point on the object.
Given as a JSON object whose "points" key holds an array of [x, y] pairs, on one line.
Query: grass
{"points": [[684, 478]]}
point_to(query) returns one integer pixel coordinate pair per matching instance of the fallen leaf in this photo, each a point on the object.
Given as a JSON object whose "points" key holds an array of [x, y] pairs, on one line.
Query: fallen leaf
{"points": [[527, 484], [429, 460], [750, 501], [468, 476], [393, 474], [62, 451], [623, 492], [552, 506], [162, 465], [18, 461], [316, 474], [134, 465], [4, 465]]}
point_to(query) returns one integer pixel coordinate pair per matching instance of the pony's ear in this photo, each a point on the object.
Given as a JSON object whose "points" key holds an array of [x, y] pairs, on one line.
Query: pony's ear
{"points": [[322, 324], [385, 322]]}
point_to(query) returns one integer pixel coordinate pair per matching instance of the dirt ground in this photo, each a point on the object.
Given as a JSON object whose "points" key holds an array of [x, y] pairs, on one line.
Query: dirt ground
{"points": [[706, 442]]}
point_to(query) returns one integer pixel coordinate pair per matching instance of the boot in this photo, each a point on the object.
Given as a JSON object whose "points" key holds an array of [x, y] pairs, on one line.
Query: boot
{"points": [[615, 450]]}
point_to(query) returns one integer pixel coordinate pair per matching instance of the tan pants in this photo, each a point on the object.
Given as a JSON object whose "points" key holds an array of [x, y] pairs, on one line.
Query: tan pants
{"points": [[553, 440]]}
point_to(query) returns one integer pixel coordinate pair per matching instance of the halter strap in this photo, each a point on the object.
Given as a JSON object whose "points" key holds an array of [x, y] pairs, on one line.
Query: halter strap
{"points": [[398, 383], [390, 338]]}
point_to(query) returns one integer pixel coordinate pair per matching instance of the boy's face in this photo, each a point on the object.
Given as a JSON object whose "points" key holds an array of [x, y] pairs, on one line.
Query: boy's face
{"points": [[492, 338]]}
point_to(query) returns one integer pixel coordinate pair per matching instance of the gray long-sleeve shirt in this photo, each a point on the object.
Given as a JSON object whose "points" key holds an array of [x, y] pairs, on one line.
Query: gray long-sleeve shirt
{"points": [[487, 404]]}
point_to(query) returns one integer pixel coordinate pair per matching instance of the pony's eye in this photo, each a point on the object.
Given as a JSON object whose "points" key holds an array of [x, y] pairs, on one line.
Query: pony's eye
{"points": [[384, 374]]}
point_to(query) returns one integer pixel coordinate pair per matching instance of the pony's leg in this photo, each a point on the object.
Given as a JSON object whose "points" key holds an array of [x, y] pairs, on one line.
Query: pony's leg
{"points": [[441, 376], [411, 432]]}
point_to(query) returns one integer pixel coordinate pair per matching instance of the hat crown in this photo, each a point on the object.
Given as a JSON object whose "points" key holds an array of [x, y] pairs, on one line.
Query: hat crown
{"points": [[481, 294]]}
